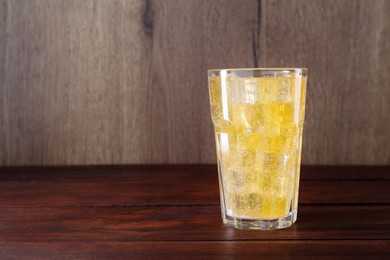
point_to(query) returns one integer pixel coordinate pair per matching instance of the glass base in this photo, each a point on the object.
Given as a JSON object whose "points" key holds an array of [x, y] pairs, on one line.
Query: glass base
{"points": [[261, 224]]}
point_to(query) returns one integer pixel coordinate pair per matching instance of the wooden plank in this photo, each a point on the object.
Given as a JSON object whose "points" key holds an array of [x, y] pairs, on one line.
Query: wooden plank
{"points": [[3, 127], [345, 46], [194, 250], [101, 82], [153, 185], [112, 172], [344, 173], [120, 81], [160, 211], [70, 85], [190, 37], [203, 223], [135, 189], [103, 172], [344, 192], [167, 191]]}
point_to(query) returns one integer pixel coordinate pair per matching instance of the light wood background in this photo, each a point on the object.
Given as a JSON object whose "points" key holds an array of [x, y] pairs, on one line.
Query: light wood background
{"points": [[124, 81]]}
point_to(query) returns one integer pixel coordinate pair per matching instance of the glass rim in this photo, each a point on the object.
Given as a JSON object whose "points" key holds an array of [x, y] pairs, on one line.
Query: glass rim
{"points": [[287, 69]]}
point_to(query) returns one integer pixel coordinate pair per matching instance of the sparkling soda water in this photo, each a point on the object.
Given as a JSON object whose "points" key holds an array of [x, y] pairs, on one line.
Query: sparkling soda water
{"points": [[258, 124]]}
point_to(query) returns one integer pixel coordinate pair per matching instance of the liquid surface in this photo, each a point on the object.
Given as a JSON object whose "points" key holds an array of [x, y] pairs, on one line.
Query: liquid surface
{"points": [[258, 127]]}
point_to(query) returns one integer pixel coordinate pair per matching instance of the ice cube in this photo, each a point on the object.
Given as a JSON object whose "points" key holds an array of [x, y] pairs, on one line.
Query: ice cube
{"points": [[244, 159], [248, 118], [284, 90], [254, 201], [275, 207], [241, 201], [244, 90], [285, 141], [249, 140], [272, 162], [278, 115], [239, 182], [244, 205], [278, 89]]}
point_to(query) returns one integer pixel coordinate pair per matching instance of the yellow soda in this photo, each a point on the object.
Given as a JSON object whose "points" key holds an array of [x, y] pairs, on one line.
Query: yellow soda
{"points": [[258, 128]]}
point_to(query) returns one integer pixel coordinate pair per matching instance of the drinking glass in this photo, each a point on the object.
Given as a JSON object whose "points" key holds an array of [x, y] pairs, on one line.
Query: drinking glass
{"points": [[258, 117]]}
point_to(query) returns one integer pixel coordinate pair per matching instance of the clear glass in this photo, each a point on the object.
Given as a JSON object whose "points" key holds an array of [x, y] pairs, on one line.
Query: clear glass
{"points": [[258, 119]]}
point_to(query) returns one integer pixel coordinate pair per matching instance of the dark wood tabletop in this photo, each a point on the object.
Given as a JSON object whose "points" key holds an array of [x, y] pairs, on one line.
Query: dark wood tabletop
{"points": [[172, 211]]}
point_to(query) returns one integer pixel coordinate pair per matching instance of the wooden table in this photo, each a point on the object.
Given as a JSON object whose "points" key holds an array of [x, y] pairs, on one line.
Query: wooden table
{"points": [[164, 212]]}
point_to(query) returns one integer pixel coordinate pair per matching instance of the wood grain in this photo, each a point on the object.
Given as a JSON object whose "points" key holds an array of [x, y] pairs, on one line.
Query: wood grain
{"points": [[115, 172], [3, 111], [101, 82], [72, 93], [116, 224], [108, 227], [155, 186], [118, 82], [345, 46], [351, 249], [165, 190], [188, 38]]}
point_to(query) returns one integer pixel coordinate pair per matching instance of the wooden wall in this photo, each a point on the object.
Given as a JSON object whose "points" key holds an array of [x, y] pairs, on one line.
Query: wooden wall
{"points": [[124, 81]]}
